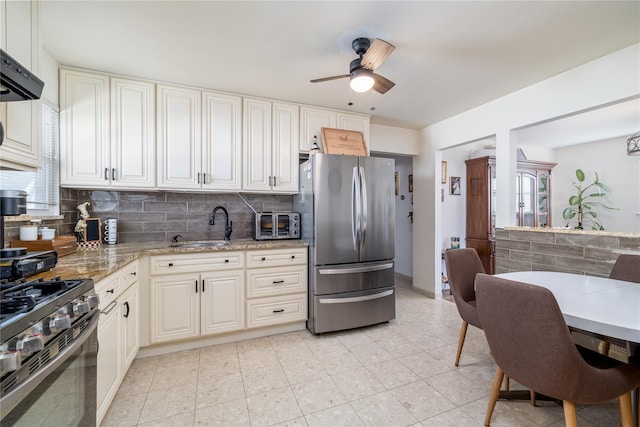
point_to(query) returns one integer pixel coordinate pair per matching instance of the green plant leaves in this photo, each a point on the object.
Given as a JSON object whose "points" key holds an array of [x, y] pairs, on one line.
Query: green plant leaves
{"points": [[580, 175]]}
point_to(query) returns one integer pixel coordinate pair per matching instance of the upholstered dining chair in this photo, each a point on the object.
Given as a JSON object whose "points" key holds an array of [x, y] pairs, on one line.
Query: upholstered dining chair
{"points": [[530, 342], [462, 267]]}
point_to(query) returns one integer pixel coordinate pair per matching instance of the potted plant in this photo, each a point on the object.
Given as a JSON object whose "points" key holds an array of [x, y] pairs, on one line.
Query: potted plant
{"points": [[581, 206]]}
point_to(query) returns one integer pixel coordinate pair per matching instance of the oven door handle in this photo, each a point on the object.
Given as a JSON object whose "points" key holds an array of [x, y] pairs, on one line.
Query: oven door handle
{"points": [[10, 400]]}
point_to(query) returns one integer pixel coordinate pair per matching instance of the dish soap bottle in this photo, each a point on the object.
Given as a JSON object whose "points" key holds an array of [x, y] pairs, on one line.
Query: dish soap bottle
{"points": [[315, 148]]}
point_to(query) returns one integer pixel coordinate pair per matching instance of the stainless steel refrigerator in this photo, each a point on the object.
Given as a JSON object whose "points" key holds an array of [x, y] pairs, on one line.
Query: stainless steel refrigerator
{"points": [[348, 218]]}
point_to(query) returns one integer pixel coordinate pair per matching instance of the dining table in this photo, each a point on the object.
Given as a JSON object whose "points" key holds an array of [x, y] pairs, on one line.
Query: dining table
{"points": [[606, 307]]}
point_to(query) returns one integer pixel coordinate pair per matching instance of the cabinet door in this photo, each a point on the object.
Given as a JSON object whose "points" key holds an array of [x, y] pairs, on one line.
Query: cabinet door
{"points": [[21, 120], [311, 122], [543, 208], [222, 302], [256, 137], [130, 319], [526, 197], [178, 127], [133, 154], [355, 122], [221, 142], [84, 129], [285, 142], [175, 308], [109, 358]]}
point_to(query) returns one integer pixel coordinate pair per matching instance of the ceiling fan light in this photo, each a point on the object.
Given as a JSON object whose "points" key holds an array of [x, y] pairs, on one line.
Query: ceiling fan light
{"points": [[361, 80]]}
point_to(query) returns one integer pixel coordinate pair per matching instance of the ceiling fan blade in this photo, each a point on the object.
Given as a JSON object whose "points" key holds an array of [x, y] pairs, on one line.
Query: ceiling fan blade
{"points": [[382, 84], [325, 79], [377, 53]]}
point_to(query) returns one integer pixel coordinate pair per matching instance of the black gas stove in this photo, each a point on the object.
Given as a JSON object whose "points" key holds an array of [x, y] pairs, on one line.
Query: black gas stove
{"points": [[38, 319]]}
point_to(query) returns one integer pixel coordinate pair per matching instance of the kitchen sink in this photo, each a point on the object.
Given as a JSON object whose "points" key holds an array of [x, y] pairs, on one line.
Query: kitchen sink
{"points": [[213, 244]]}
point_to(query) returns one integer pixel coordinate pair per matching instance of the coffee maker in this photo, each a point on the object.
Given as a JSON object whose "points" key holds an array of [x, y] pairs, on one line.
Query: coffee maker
{"points": [[15, 263]]}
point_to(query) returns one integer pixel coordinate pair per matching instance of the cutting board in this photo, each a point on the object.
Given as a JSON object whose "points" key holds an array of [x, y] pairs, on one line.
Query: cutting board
{"points": [[63, 245], [342, 141]]}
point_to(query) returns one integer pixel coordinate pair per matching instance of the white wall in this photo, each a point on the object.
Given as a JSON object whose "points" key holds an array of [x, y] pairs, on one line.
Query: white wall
{"points": [[48, 73], [605, 80], [394, 140], [615, 169], [454, 208]]}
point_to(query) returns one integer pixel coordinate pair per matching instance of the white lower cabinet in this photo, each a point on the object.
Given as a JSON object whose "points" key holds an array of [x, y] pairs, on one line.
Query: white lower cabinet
{"points": [[276, 286], [118, 335], [207, 300], [204, 294]]}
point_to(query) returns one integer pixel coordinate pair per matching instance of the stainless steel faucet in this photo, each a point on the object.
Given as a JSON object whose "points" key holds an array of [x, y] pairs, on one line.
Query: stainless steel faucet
{"points": [[227, 223]]}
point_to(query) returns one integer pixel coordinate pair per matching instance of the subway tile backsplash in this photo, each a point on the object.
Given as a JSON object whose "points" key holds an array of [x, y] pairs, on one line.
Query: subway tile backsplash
{"points": [[157, 216]]}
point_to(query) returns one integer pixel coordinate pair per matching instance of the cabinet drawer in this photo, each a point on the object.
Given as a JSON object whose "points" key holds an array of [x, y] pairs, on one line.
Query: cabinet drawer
{"points": [[264, 282], [276, 310], [109, 289], [129, 274], [191, 263], [276, 257]]}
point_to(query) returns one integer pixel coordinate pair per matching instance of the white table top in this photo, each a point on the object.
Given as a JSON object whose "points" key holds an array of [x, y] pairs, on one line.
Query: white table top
{"points": [[605, 306]]}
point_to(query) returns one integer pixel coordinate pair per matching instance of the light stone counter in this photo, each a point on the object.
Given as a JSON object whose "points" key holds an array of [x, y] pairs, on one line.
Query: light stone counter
{"points": [[573, 231], [100, 262]]}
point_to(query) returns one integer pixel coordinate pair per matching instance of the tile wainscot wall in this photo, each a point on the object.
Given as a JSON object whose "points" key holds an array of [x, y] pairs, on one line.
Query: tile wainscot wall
{"points": [[564, 250]]}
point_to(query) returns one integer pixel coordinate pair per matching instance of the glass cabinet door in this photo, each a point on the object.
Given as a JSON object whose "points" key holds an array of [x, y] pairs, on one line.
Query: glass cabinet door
{"points": [[543, 199], [526, 199]]}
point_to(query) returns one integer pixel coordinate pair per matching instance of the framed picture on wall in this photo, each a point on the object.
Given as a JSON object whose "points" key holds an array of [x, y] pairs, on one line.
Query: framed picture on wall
{"points": [[454, 186], [397, 182], [411, 183], [444, 173]]}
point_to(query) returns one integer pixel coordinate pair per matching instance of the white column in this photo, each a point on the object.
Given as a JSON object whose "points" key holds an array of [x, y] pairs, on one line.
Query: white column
{"points": [[506, 166]]}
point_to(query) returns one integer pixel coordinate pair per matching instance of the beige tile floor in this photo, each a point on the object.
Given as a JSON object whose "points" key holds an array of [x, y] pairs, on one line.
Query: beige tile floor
{"points": [[395, 374]]}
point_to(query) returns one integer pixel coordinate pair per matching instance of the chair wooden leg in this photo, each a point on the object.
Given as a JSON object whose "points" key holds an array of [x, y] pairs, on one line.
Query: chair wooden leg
{"points": [[532, 395], [495, 393], [570, 418], [463, 334], [506, 383], [626, 417]]}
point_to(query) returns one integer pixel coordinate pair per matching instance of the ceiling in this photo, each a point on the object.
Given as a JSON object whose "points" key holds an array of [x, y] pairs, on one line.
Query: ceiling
{"points": [[450, 55]]}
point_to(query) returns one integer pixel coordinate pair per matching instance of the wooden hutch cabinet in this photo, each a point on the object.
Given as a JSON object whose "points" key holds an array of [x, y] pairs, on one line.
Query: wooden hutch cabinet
{"points": [[533, 191]]}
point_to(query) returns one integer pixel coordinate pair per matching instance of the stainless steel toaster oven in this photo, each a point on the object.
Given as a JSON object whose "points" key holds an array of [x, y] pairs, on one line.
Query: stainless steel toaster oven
{"points": [[277, 225]]}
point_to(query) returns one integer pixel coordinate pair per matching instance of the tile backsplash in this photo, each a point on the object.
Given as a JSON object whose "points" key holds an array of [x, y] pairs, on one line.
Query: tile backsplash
{"points": [[157, 216]]}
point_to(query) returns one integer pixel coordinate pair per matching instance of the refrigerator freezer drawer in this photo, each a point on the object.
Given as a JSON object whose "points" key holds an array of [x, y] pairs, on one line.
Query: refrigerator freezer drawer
{"points": [[352, 277], [351, 310]]}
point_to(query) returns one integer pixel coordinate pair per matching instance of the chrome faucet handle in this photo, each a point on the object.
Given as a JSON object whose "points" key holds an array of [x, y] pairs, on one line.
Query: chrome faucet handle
{"points": [[228, 231]]}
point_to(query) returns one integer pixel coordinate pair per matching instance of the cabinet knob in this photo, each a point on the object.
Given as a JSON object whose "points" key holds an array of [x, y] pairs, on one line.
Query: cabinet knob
{"points": [[226, 260], [278, 310], [110, 291], [264, 259], [170, 264], [293, 257]]}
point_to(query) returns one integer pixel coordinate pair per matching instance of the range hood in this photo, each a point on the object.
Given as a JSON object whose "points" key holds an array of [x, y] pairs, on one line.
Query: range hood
{"points": [[16, 82]]}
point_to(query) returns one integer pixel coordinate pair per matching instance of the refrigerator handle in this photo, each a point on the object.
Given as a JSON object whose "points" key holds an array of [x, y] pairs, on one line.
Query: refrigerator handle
{"points": [[355, 209], [365, 210]]}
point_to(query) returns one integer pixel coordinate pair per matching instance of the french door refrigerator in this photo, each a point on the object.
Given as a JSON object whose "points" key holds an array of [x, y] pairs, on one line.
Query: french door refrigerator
{"points": [[348, 218]]}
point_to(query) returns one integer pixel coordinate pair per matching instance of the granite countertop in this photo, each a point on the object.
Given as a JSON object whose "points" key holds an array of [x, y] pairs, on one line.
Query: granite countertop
{"points": [[97, 263], [572, 231]]}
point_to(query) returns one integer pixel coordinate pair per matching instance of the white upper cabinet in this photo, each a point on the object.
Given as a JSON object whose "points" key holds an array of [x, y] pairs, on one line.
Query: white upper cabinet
{"points": [[107, 131], [179, 142], [133, 136], [84, 129], [270, 143], [21, 120], [221, 141], [357, 122], [199, 139], [313, 119]]}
